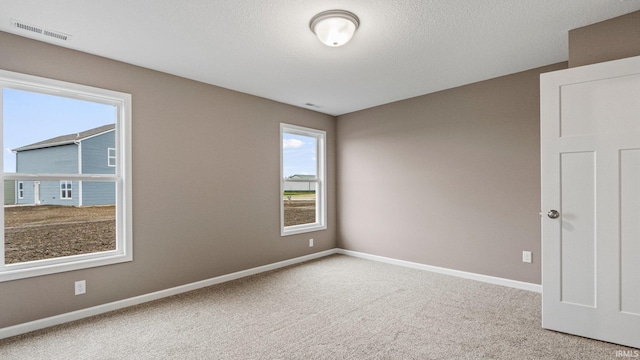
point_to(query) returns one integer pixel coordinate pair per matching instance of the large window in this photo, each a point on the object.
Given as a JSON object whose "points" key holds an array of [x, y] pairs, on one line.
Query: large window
{"points": [[303, 180], [73, 209]]}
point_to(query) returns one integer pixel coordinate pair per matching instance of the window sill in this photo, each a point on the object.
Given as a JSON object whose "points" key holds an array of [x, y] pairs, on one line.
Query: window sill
{"points": [[301, 229], [62, 264]]}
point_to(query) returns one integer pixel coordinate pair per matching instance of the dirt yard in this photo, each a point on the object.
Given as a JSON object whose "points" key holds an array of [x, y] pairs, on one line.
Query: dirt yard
{"points": [[298, 212], [44, 232], [48, 231]]}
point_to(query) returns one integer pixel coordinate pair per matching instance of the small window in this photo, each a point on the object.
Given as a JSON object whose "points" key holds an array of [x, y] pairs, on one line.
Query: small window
{"points": [[111, 157], [62, 161], [20, 189], [303, 180], [65, 189]]}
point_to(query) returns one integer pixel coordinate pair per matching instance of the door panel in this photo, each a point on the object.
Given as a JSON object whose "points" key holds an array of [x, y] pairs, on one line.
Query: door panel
{"points": [[586, 106], [577, 240], [590, 156], [630, 230]]}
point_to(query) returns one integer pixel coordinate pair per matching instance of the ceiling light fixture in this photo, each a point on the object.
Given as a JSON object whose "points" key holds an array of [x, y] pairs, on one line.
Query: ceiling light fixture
{"points": [[334, 27]]}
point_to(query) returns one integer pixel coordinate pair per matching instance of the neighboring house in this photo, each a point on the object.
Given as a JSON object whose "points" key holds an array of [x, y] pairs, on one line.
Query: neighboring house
{"points": [[87, 152], [9, 192], [300, 185]]}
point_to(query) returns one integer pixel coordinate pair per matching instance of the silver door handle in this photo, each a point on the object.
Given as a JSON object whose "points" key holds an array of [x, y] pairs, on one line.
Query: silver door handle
{"points": [[553, 214]]}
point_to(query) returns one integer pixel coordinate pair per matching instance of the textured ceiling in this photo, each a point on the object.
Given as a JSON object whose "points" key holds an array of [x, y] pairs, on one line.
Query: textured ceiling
{"points": [[403, 48]]}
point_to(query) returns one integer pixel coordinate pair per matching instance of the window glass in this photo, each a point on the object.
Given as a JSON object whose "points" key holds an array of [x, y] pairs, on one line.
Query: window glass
{"points": [[111, 157], [70, 211], [303, 184]]}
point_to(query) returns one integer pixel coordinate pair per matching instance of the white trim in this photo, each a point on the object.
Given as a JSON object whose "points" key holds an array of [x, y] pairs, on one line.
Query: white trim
{"points": [[109, 157], [63, 193], [122, 177], [79, 172], [100, 309], [320, 180], [20, 189], [457, 273]]}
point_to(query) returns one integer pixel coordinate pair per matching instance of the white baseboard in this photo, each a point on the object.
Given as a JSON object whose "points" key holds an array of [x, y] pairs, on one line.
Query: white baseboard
{"points": [[467, 275], [100, 309]]}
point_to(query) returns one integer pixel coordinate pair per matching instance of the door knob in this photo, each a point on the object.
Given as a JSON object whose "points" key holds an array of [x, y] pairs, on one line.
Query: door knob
{"points": [[553, 214]]}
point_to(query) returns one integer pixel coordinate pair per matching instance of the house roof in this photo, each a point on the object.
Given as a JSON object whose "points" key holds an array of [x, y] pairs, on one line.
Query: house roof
{"points": [[67, 139], [303, 177]]}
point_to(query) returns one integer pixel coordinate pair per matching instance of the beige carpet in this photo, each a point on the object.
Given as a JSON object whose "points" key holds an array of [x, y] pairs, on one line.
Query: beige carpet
{"points": [[337, 307]]}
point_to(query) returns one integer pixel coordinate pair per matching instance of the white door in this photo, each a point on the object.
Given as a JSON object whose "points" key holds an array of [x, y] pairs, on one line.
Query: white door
{"points": [[36, 192], [590, 148]]}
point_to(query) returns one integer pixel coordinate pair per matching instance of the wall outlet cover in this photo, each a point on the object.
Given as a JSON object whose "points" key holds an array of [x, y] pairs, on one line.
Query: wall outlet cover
{"points": [[80, 287]]}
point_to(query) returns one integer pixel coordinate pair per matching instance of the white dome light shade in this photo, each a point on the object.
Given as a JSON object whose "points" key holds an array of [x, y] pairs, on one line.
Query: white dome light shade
{"points": [[334, 27]]}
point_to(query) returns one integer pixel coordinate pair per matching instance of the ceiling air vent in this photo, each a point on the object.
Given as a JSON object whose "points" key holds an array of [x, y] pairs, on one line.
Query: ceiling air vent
{"points": [[40, 31]]}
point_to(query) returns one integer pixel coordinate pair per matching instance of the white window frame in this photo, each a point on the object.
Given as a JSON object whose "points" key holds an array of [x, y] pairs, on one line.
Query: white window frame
{"points": [[121, 178], [321, 183], [63, 192], [111, 159], [20, 190]]}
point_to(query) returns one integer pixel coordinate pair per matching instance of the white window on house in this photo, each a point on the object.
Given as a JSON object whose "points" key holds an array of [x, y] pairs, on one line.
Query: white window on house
{"points": [[111, 157], [65, 189], [303, 189], [49, 165]]}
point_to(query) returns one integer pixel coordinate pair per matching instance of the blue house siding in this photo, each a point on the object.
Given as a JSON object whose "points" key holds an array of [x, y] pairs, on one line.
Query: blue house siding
{"points": [[49, 193], [98, 193], [28, 194], [60, 156], [95, 160], [52, 160], [95, 154]]}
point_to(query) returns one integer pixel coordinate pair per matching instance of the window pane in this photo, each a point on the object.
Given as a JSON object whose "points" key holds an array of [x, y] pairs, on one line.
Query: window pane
{"points": [[56, 136], [303, 179], [48, 134], [299, 163], [299, 203], [299, 156], [51, 231], [111, 157]]}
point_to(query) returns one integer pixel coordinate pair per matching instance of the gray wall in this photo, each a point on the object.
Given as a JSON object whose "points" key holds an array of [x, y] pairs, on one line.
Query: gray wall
{"points": [[187, 223], [611, 39], [452, 179], [449, 179]]}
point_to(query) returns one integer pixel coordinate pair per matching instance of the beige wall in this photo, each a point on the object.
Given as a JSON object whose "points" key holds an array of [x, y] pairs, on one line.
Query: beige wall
{"points": [[205, 183], [449, 179], [452, 179], [612, 39]]}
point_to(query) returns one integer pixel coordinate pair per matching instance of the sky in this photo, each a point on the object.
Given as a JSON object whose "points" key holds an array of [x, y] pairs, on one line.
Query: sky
{"points": [[299, 155], [29, 117]]}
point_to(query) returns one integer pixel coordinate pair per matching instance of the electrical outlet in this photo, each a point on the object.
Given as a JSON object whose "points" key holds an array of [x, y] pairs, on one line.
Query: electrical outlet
{"points": [[310, 242], [81, 287], [526, 256]]}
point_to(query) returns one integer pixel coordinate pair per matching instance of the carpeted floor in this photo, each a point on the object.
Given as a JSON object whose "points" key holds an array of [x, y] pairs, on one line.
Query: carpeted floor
{"points": [[337, 307]]}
